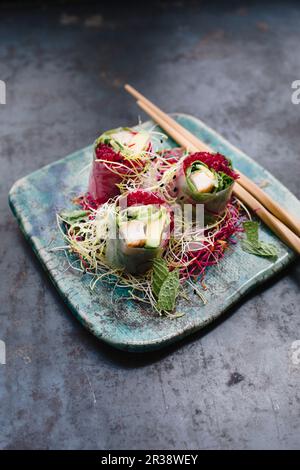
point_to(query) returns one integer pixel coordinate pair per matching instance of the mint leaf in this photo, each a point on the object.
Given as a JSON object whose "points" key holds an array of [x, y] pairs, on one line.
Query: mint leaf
{"points": [[263, 249], [253, 245], [165, 285], [168, 292], [251, 230], [159, 274]]}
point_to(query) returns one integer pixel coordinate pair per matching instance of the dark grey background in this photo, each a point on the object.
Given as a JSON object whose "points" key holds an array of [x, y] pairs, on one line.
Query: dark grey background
{"points": [[232, 386]]}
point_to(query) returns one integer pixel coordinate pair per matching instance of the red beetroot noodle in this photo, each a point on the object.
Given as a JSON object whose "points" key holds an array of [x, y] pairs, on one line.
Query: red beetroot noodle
{"points": [[216, 161], [211, 254]]}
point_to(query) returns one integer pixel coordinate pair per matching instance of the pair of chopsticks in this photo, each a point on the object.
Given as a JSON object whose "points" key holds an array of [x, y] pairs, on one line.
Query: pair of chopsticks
{"points": [[283, 224]]}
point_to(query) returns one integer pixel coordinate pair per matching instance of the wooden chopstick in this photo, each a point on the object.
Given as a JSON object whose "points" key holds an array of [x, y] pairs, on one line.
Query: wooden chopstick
{"points": [[196, 144], [281, 230], [278, 227]]}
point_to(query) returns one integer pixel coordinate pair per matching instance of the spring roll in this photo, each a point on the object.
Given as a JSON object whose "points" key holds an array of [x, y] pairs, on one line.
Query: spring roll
{"points": [[117, 153], [204, 178], [142, 232]]}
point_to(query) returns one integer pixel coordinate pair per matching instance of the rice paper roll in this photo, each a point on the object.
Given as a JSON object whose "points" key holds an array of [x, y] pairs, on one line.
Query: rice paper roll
{"points": [[142, 224], [117, 154], [204, 178]]}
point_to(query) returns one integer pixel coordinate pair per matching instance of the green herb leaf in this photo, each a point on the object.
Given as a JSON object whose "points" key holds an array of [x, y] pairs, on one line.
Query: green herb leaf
{"points": [[253, 245], [168, 292], [159, 275], [251, 230], [224, 181], [266, 250], [72, 216]]}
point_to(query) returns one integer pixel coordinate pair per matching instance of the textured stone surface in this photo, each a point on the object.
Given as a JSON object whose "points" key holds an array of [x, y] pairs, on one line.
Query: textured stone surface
{"points": [[233, 385]]}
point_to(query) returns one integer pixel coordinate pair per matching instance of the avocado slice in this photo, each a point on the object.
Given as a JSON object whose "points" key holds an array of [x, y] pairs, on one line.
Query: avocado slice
{"points": [[154, 231], [139, 142]]}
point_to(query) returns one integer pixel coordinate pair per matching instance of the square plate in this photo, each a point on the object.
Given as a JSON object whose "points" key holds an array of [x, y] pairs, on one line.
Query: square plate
{"points": [[129, 325]]}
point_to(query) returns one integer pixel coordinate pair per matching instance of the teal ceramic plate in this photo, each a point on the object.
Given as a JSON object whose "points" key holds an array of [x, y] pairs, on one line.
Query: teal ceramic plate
{"points": [[128, 325]]}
